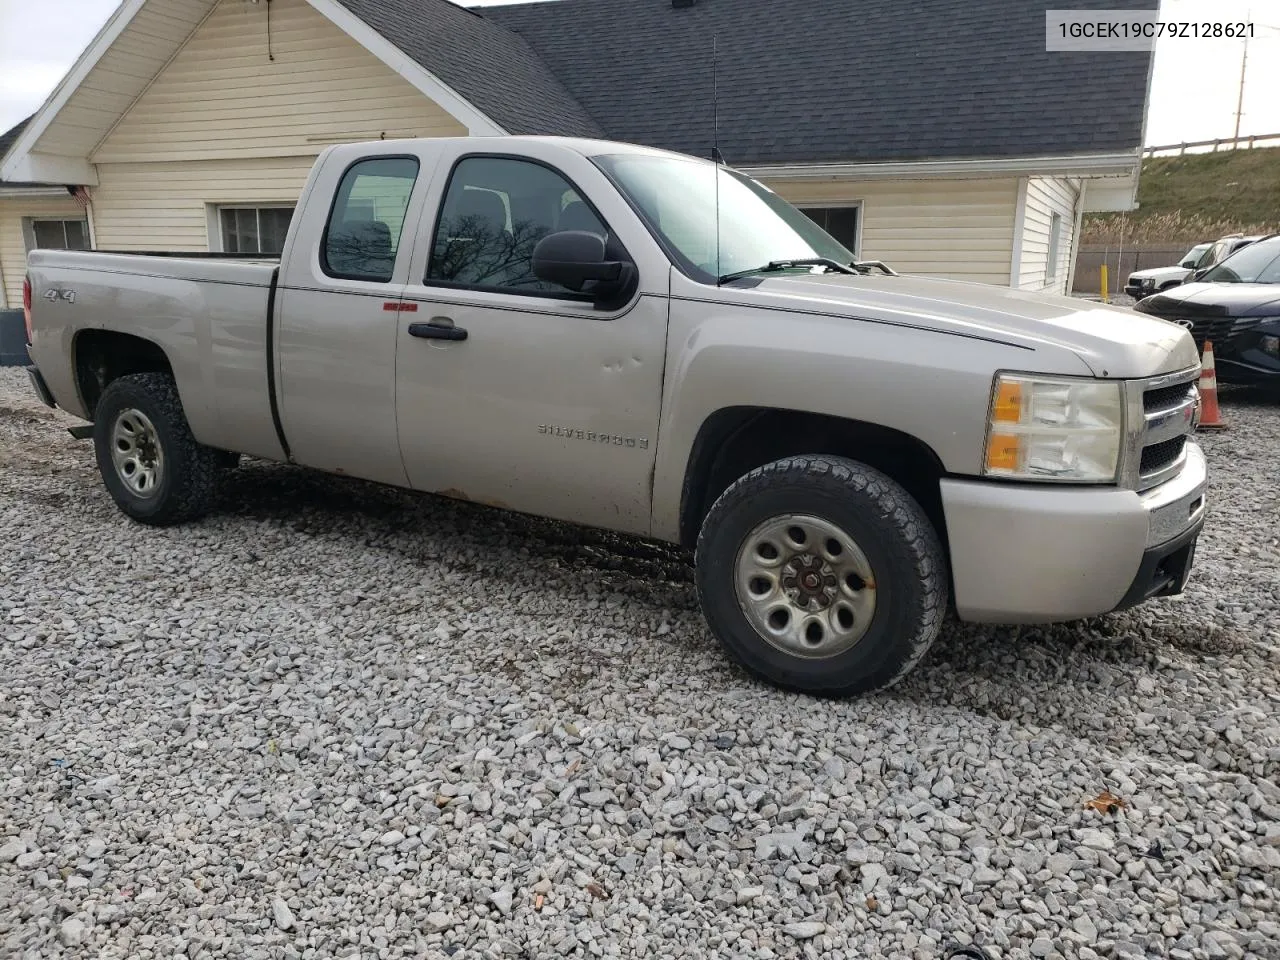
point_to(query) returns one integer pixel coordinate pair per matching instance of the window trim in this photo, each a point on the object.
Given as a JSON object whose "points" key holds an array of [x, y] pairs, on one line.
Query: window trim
{"points": [[213, 219], [29, 230], [837, 205], [568, 295], [322, 252]]}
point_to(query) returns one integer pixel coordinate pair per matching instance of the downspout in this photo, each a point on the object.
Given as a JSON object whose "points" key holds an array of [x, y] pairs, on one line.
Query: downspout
{"points": [[1019, 221], [93, 233], [1075, 237]]}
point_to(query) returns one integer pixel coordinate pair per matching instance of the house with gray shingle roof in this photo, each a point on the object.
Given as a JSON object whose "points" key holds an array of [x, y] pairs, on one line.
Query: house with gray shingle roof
{"points": [[939, 136]]}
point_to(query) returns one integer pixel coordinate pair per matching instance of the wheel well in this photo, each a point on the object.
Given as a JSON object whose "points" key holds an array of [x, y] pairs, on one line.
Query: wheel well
{"points": [[105, 355], [734, 441]]}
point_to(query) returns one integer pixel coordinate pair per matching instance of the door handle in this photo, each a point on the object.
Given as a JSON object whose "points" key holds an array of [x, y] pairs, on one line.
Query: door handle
{"points": [[440, 328]]}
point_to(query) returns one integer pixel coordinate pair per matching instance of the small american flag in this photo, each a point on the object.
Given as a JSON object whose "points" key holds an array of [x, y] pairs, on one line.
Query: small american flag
{"points": [[81, 196]]}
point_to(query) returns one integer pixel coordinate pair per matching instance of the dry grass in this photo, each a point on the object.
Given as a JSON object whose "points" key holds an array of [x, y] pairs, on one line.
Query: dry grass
{"points": [[1197, 197], [1175, 227]]}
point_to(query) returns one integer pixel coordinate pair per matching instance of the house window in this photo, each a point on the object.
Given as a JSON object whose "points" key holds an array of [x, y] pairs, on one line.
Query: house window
{"points": [[1055, 243], [55, 234], [842, 223], [254, 229]]}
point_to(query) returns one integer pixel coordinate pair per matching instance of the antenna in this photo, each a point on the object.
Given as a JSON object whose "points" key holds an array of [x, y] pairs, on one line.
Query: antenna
{"points": [[716, 156], [715, 101]]}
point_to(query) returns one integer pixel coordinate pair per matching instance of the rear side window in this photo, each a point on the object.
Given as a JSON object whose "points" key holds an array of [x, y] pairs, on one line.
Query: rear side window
{"points": [[367, 219]]}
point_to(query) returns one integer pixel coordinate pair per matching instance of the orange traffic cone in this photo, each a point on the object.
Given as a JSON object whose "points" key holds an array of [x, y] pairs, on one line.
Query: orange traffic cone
{"points": [[1210, 415]]}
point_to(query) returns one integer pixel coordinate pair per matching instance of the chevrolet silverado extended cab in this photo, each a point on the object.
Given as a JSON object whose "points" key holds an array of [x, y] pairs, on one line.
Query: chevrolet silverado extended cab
{"points": [[642, 341]]}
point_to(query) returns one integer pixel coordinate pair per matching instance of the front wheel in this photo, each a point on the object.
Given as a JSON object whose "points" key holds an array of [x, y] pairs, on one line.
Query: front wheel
{"points": [[152, 466], [821, 574]]}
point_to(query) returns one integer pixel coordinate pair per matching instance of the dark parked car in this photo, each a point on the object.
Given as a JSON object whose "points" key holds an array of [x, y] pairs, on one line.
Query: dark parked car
{"points": [[1236, 305]]}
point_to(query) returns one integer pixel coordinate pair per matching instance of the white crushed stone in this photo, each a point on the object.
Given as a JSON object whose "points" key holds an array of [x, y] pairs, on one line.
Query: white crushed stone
{"points": [[339, 720], [283, 915]]}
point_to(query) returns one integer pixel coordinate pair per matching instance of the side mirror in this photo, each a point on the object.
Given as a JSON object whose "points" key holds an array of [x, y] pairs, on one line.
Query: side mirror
{"points": [[1188, 264], [1197, 274], [577, 259]]}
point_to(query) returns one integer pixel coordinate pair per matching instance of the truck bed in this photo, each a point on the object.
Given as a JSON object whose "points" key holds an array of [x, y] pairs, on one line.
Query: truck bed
{"points": [[209, 314]]}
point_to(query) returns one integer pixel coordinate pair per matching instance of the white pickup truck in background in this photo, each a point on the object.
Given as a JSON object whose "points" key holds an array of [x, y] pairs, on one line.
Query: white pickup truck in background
{"points": [[638, 340], [1143, 283]]}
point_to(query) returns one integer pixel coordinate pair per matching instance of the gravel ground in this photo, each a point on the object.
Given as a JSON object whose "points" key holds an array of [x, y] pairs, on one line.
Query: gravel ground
{"points": [[338, 720], [1117, 299]]}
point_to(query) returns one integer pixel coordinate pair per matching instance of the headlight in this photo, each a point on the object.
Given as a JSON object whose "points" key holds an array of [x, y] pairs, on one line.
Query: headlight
{"points": [[1044, 428], [1269, 343]]}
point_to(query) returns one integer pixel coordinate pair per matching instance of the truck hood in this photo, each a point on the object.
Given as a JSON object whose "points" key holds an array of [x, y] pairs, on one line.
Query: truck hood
{"points": [[1112, 342], [1160, 274]]}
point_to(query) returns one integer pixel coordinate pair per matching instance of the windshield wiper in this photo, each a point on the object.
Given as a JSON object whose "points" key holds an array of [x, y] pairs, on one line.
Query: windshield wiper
{"points": [[775, 265], [865, 266]]}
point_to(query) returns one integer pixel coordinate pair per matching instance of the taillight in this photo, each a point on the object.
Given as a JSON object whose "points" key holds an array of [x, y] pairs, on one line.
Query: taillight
{"points": [[26, 305]]}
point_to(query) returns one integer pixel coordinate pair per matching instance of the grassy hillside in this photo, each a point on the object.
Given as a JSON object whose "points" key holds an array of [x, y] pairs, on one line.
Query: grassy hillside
{"points": [[1198, 197]]}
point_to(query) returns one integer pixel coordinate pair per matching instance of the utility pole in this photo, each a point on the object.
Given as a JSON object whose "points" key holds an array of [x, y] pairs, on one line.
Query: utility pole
{"points": [[1244, 61]]}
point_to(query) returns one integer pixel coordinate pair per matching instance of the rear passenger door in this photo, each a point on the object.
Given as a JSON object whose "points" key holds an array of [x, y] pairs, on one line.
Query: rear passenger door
{"points": [[336, 327]]}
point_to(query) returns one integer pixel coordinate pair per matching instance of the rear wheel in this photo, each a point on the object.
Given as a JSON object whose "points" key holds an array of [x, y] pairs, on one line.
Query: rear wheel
{"points": [[821, 574], [151, 464]]}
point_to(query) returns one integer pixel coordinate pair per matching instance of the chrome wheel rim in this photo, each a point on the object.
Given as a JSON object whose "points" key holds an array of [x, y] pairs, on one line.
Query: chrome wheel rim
{"points": [[136, 453], [805, 585]]}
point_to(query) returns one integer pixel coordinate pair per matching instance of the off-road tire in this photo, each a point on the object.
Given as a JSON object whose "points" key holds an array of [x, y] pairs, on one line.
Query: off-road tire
{"points": [[885, 522], [188, 483]]}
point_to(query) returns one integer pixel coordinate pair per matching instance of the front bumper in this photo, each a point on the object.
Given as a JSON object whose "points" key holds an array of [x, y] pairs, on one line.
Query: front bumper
{"points": [[1248, 365], [1033, 553]]}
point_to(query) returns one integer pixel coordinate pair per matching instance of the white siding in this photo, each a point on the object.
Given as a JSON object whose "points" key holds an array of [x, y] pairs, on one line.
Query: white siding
{"points": [[165, 206], [222, 97], [959, 229], [13, 250], [1046, 196], [150, 39], [223, 124]]}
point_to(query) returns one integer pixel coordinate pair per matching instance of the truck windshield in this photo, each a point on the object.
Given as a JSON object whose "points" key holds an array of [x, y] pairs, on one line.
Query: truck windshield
{"points": [[1194, 254], [677, 199], [1256, 263]]}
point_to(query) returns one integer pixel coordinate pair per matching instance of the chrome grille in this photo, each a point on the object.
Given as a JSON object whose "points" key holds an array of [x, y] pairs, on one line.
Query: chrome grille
{"points": [[1158, 456], [1164, 421], [1161, 398]]}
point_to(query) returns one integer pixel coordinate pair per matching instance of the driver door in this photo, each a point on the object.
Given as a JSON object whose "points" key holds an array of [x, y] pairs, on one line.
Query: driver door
{"points": [[511, 390]]}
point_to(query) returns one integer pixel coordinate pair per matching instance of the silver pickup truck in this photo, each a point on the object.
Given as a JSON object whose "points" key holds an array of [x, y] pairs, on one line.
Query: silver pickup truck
{"points": [[651, 343]]}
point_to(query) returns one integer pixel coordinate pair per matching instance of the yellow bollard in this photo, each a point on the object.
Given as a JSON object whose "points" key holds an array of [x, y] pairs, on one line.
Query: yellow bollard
{"points": [[1106, 295]]}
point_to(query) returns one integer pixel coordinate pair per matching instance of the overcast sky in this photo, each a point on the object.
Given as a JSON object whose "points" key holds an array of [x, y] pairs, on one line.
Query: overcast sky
{"points": [[1193, 95]]}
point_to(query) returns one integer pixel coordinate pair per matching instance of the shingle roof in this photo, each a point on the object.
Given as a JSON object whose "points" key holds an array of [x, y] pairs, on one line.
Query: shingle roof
{"points": [[9, 136], [7, 140], [493, 68], [839, 80]]}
